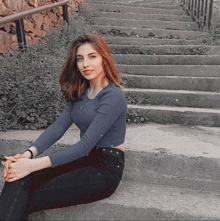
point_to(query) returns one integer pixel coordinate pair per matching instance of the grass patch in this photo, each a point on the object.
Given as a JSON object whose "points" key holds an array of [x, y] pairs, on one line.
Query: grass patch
{"points": [[30, 96]]}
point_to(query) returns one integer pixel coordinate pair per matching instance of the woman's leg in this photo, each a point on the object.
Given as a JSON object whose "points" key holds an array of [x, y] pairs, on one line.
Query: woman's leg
{"points": [[15, 195], [78, 182]]}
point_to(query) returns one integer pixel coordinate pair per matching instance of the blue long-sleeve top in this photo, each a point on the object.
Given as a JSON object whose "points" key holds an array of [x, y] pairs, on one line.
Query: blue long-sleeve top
{"points": [[102, 123]]}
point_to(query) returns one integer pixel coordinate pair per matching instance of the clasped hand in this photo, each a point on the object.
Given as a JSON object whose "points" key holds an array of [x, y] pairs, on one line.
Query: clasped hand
{"points": [[15, 168]]}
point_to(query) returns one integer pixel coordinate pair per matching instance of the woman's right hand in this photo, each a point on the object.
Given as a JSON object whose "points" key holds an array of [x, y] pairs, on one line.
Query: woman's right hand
{"points": [[7, 163]]}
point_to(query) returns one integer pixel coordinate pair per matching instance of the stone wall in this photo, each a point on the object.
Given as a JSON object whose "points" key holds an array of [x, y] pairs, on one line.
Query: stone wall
{"points": [[36, 25]]}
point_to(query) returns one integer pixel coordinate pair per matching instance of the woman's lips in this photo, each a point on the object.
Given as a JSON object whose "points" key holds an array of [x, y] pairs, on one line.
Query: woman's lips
{"points": [[87, 71]]}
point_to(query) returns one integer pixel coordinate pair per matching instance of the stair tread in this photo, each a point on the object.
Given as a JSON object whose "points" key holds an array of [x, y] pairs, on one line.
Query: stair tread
{"points": [[170, 91], [177, 109], [136, 199], [195, 203], [188, 141], [131, 13], [145, 21], [151, 29]]}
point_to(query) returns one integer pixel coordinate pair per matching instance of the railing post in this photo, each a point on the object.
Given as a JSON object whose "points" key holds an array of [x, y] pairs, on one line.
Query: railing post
{"points": [[205, 13], [198, 12], [210, 13], [195, 9], [202, 8], [65, 13], [20, 34]]}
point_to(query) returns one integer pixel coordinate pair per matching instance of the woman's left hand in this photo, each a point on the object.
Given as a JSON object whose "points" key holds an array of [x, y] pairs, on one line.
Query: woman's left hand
{"points": [[18, 169]]}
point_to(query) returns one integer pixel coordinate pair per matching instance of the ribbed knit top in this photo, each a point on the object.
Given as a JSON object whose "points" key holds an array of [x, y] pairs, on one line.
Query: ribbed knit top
{"points": [[102, 123]]}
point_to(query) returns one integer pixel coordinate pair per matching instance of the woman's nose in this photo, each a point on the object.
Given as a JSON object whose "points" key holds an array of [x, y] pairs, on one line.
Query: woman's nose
{"points": [[85, 63]]}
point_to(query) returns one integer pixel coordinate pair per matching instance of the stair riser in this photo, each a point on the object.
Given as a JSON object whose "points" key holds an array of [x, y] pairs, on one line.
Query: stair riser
{"points": [[138, 10], [161, 50], [125, 1], [145, 5], [107, 211], [106, 31], [166, 60], [171, 25], [172, 170], [157, 168], [171, 70], [173, 99], [142, 17], [178, 117], [172, 83], [148, 41]]}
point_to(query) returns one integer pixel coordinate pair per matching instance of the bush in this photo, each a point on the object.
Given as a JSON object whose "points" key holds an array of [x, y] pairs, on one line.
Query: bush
{"points": [[30, 96]]}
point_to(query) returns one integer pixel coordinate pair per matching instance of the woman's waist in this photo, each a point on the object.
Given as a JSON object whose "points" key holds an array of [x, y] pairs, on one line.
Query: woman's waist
{"points": [[104, 152]]}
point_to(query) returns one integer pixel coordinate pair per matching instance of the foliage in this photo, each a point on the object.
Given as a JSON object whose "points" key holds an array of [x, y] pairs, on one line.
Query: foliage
{"points": [[30, 96]]}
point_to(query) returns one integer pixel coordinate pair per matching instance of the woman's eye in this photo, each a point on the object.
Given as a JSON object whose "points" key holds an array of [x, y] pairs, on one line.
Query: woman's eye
{"points": [[92, 56], [79, 59]]}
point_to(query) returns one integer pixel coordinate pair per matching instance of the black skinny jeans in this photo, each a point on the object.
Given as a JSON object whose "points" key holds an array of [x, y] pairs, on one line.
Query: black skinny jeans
{"points": [[85, 180]]}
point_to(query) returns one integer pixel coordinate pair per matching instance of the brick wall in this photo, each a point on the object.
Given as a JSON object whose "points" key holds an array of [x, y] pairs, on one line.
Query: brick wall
{"points": [[36, 25]]}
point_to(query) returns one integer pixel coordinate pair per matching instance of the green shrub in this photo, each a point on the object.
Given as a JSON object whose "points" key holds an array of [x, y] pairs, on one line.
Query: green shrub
{"points": [[30, 96]]}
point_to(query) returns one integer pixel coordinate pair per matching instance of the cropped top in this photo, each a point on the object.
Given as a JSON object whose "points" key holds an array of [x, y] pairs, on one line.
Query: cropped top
{"points": [[102, 123]]}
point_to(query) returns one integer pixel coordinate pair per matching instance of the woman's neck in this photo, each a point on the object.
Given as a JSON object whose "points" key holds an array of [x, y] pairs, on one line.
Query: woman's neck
{"points": [[96, 87]]}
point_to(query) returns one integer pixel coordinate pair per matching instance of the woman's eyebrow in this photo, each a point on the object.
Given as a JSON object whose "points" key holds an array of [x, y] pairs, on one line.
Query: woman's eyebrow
{"points": [[88, 54]]}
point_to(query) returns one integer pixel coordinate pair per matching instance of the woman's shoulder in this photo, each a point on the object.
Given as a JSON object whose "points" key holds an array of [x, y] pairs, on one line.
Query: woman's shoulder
{"points": [[113, 96], [112, 91]]}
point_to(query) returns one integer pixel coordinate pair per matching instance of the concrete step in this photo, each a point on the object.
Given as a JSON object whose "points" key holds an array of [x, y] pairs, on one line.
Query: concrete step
{"points": [[107, 31], [163, 161], [136, 59], [148, 41], [137, 201], [172, 155], [159, 5], [171, 70], [130, 9], [164, 49], [177, 115], [176, 98], [153, 24], [211, 84], [132, 1], [143, 17]]}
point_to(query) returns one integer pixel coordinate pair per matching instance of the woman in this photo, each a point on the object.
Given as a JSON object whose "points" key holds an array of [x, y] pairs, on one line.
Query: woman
{"points": [[89, 170]]}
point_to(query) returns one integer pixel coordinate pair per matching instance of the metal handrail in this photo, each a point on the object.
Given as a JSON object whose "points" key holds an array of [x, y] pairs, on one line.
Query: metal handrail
{"points": [[18, 19], [200, 11]]}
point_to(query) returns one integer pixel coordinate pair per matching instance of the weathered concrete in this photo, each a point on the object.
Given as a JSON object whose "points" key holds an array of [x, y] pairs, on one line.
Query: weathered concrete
{"points": [[138, 10], [184, 161], [164, 49], [189, 153], [178, 115], [172, 82], [148, 41], [135, 201], [161, 5], [153, 24], [131, 59], [171, 70], [106, 31], [178, 98], [143, 17]]}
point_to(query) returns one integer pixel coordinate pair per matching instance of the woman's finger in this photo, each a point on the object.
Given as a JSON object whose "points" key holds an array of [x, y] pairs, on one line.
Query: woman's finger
{"points": [[10, 158], [11, 179]]}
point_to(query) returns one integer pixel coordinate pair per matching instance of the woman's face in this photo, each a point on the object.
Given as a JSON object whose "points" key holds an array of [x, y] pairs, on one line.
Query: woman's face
{"points": [[89, 63]]}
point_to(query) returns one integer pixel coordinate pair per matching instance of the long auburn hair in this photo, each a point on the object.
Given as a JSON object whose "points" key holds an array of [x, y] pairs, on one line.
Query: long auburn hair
{"points": [[73, 84]]}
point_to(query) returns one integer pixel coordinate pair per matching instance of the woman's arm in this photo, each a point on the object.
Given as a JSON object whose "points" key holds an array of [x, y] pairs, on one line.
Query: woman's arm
{"points": [[27, 154], [24, 166]]}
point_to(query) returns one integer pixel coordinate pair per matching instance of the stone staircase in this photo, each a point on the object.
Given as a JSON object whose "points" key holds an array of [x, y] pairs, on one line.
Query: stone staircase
{"points": [[172, 79], [170, 74]]}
